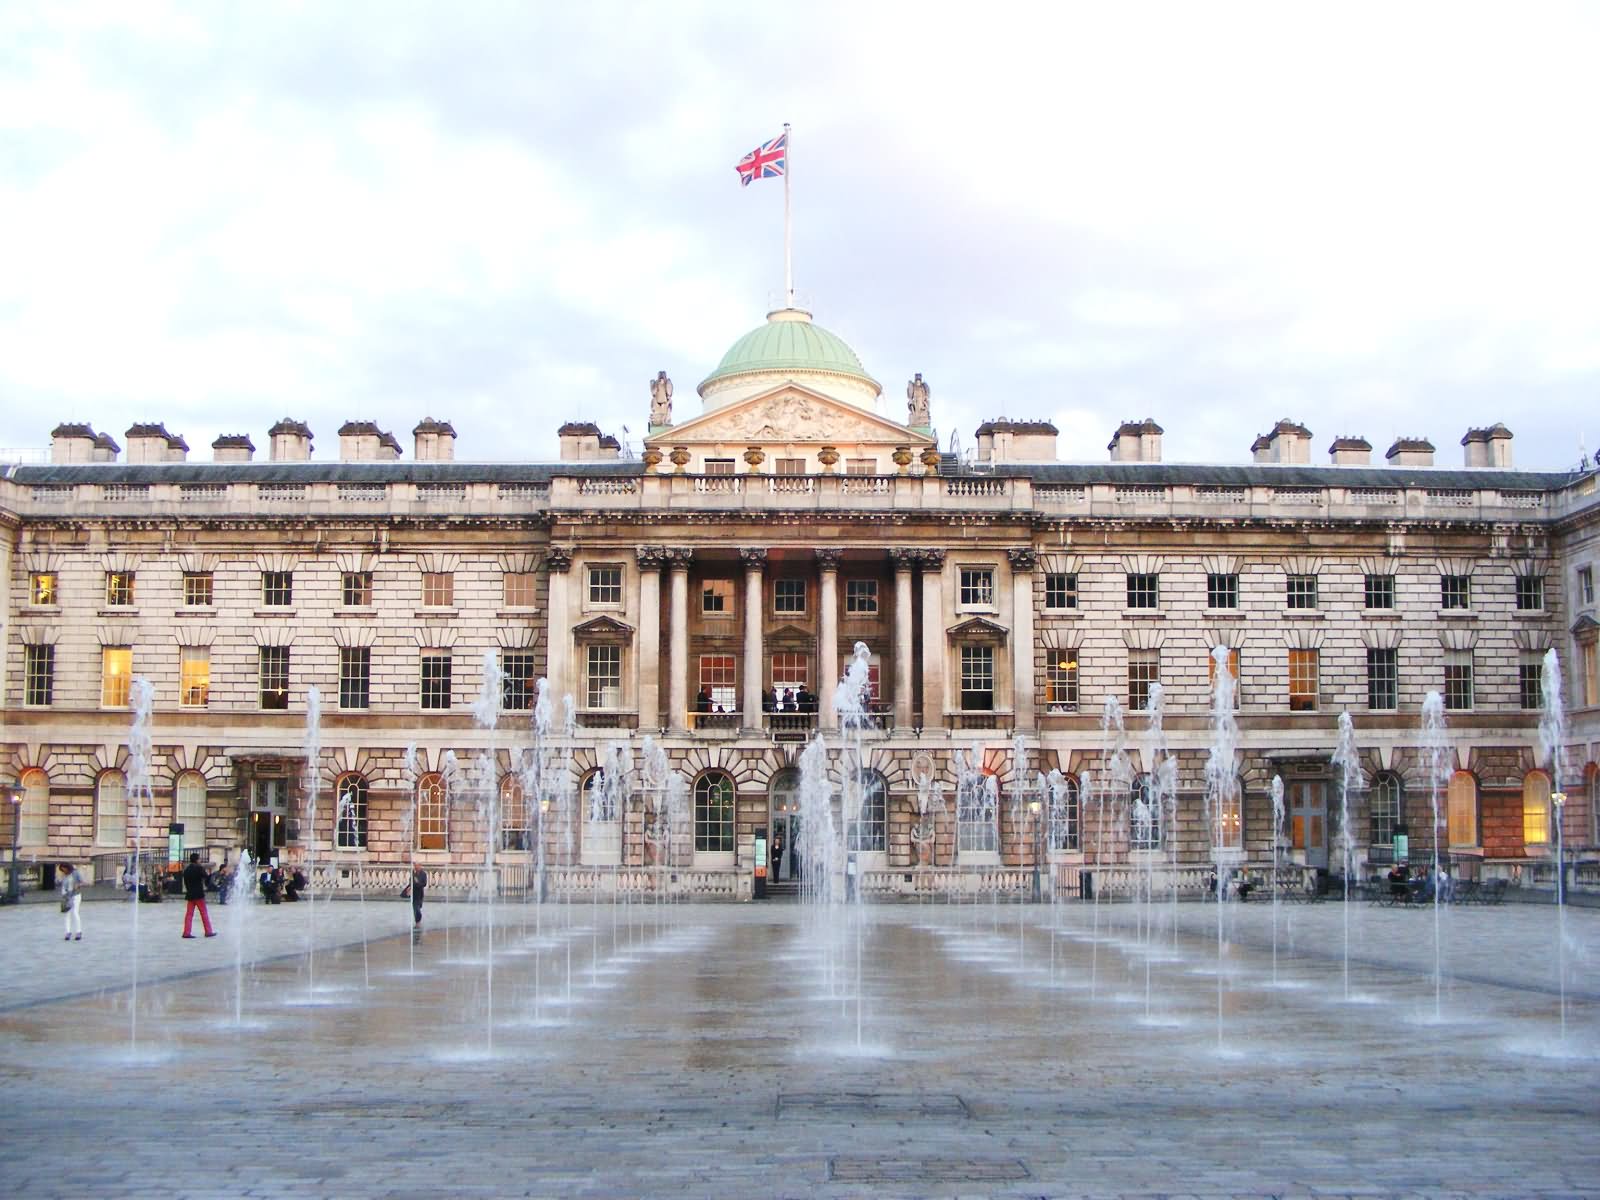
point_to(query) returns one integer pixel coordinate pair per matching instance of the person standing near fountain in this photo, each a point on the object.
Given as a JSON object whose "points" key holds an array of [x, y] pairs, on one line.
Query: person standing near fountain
{"points": [[194, 891], [71, 889], [415, 889]]}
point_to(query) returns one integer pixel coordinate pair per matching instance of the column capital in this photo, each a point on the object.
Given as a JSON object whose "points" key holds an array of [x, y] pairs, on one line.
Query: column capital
{"points": [[1023, 558], [559, 559], [753, 557], [904, 558], [932, 559], [651, 558], [828, 560], [679, 558]]}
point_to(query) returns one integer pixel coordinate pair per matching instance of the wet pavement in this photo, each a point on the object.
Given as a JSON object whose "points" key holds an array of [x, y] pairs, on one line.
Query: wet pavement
{"points": [[757, 1050]]}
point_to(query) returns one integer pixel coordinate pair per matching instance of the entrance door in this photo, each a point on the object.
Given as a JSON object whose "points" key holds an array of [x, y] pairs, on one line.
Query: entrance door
{"points": [[269, 810], [784, 823], [1308, 821]]}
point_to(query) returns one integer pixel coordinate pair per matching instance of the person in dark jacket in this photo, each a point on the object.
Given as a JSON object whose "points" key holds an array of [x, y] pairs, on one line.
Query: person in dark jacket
{"points": [[194, 891], [416, 888]]}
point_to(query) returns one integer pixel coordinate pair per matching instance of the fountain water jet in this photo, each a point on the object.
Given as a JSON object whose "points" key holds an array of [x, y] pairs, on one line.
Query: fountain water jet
{"points": [[1222, 798], [1552, 745], [312, 782], [1277, 847], [1350, 780], [1436, 748], [142, 694]]}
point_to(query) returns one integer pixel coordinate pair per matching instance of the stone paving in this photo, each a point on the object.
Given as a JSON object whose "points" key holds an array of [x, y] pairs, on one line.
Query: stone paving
{"points": [[728, 1051]]}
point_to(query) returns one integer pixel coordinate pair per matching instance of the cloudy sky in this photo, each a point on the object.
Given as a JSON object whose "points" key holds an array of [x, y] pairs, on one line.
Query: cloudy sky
{"points": [[1375, 219]]}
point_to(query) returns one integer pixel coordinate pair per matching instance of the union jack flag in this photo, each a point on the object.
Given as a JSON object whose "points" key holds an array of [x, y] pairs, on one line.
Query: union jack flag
{"points": [[767, 161]]}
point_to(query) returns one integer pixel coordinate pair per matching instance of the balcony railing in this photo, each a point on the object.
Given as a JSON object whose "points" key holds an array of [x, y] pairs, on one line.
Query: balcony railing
{"points": [[791, 726], [712, 722]]}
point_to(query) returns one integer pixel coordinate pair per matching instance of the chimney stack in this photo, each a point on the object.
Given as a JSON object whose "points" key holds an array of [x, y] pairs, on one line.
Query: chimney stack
{"points": [[1410, 452], [1488, 448], [1350, 452], [291, 441], [233, 447], [1136, 441], [433, 441], [151, 443]]}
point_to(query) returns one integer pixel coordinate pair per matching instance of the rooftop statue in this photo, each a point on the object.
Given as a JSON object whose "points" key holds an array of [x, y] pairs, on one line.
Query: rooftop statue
{"points": [[917, 402], [661, 399]]}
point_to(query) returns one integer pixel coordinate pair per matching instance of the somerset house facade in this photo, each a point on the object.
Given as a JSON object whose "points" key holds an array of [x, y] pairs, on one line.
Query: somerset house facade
{"points": [[706, 597]]}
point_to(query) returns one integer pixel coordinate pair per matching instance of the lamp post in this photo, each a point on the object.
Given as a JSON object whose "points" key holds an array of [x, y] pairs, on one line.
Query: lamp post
{"points": [[14, 884], [1034, 807]]}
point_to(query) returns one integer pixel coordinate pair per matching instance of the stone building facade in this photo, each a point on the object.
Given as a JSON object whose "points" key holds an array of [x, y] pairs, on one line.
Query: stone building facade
{"points": [[708, 596]]}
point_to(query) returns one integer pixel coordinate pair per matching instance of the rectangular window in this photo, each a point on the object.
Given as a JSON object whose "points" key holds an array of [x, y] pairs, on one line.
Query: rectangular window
{"points": [[789, 596], [718, 686], [790, 673], [273, 676], [1302, 591], [438, 589], [355, 677], [194, 676], [1586, 586], [519, 589], [1061, 681], [605, 585], [789, 466], [716, 598], [719, 466], [197, 589], [277, 589], [355, 589], [1535, 815], [1233, 670], [435, 679], [1589, 663], [977, 678], [1455, 591], [1144, 591], [977, 587], [42, 588], [861, 596], [116, 675], [1302, 680], [1222, 591], [1530, 593], [39, 675], [860, 466], [119, 588], [1530, 683], [519, 683], [111, 811], [433, 814], [1060, 591], [1383, 680], [1380, 591], [604, 677], [1385, 808], [1458, 680], [1144, 668]]}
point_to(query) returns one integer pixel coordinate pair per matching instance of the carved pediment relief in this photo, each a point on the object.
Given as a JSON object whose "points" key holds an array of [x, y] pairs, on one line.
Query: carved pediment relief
{"points": [[601, 628], [979, 629], [791, 414]]}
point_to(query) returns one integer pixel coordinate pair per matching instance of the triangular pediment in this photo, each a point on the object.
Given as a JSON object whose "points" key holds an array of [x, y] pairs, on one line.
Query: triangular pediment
{"points": [[979, 627], [790, 634], [790, 412], [1585, 625], [603, 627]]}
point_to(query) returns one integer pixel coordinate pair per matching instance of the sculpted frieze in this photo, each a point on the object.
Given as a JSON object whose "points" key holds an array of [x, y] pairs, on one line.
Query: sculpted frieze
{"points": [[793, 418]]}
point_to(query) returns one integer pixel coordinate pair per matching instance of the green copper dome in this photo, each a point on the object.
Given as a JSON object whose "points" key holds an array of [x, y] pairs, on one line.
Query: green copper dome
{"points": [[789, 342]]}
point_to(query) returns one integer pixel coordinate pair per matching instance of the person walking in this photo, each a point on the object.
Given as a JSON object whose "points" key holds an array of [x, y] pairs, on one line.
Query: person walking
{"points": [[70, 886], [194, 891], [415, 889]]}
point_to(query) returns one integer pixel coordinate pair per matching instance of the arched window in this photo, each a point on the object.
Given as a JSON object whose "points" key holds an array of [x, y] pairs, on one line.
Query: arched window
{"points": [[785, 791], [189, 809], [866, 832], [111, 810], [513, 813], [35, 829], [350, 798], [1536, 809], [1064, 815], [713, 812], [1144, 816], [1227, 816], [432, 813], [600, 802], [1463, 809], [1386, 804], [602, 824]]}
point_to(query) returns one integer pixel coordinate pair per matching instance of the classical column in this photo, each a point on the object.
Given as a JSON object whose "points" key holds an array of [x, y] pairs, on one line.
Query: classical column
{"points": [[678, 690], [933, 698], [558, 561], [755, 558], [828, 637], [1023, 559], [651, 559], [904, 560]]}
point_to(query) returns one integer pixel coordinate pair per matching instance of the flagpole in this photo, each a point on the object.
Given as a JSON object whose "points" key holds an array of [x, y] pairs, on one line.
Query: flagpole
{"points": [[788, 227]]}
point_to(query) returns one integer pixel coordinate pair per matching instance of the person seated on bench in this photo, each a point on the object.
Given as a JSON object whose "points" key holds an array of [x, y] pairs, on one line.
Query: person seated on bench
{"points": [[1242, 885], [297, 884], [1399, 881], [272, 885]]}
